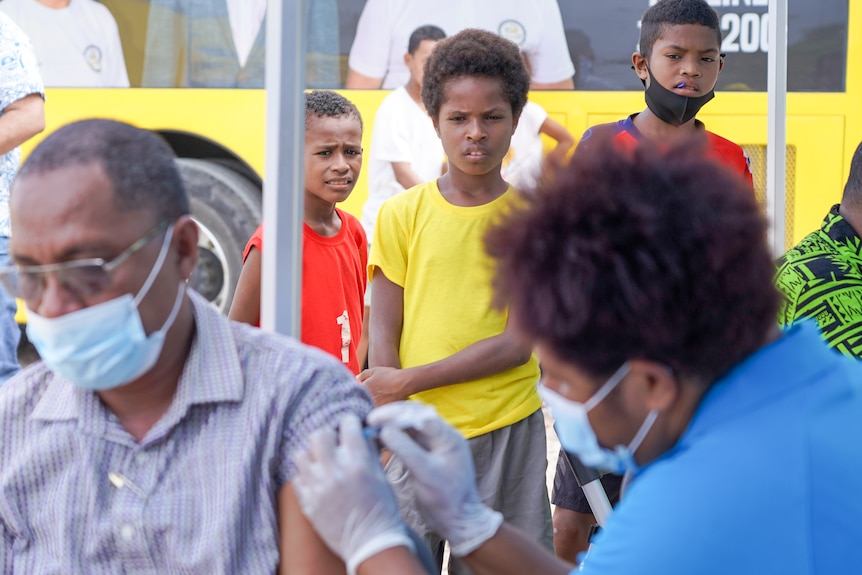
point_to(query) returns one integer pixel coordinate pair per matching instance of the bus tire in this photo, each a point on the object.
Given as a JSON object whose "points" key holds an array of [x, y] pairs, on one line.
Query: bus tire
{"points": [[226, 207]]}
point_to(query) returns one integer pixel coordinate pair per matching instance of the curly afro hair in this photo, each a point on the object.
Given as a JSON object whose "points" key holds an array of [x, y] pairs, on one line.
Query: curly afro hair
{"points": [[474, 52], [639, 254]]}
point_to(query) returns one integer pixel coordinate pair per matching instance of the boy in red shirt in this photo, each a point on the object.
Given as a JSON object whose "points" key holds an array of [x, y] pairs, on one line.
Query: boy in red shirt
{"points": [[334, 248], [678, 62]]}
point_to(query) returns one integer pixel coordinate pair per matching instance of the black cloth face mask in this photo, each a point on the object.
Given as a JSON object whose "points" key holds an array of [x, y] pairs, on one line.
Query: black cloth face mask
{"points": [[671, 107]]}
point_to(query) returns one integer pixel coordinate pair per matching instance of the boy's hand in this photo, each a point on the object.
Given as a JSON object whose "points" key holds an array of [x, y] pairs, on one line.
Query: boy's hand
{"points": [[386, 384]]}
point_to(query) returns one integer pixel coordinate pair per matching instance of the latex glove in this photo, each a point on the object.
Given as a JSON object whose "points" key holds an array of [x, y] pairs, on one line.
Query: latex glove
{"points": [[342, 490], [441, 464]]}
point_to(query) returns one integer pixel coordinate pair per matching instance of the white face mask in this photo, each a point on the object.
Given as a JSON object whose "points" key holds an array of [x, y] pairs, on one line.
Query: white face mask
{"points": [[577, 437], [103, 346]]}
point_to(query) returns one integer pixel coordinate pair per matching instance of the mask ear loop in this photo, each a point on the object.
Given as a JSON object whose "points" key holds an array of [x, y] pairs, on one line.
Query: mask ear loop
{"points": [[633, 447], [642, 432], [157, 267], [608, 387]]}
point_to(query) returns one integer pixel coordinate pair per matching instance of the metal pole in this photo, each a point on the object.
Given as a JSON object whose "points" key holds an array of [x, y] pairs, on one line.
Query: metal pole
{"points": [[776, 141], [281, 273]]}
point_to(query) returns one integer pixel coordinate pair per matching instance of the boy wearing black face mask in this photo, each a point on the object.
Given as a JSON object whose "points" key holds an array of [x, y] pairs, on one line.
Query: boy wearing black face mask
{"points": [[678, 63]]}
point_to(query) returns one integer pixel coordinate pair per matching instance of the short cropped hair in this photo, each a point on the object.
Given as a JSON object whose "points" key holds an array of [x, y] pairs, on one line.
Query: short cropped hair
{"points": [[672, 13], [422, 33], [853, 187], [639, 254], [476, 53], [329, 104], [140, 166]]}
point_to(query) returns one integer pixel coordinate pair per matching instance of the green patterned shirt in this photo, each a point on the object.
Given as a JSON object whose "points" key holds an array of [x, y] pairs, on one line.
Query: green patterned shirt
{"points": [[821, 278]]}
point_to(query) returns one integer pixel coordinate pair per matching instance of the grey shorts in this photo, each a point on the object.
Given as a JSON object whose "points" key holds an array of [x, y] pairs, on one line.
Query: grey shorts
{"points": [[510, 473]]}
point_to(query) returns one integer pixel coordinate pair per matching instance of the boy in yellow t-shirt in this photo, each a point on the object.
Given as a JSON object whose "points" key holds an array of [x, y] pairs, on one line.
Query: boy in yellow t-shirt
{"points": [[435, 335]]}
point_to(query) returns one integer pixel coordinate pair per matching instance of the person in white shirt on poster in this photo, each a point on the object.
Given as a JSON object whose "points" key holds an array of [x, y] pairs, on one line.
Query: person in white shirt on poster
{"points": [[77, 42], [384, 26]]}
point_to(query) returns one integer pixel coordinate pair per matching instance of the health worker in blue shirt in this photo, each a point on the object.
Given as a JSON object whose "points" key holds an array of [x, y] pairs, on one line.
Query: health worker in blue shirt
{"points": [[644, 279]]}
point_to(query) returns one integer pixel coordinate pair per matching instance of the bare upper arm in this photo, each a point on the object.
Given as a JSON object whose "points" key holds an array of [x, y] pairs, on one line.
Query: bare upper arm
{"points": [[405, 175], [246, 300], [387, 303], [21, 120], [558, 132], [301, 550], [357, 81]]}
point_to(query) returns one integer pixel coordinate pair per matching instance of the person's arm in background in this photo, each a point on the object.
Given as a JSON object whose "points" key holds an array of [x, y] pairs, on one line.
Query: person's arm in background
{"points": [[405, 175], [387, 301], [20, 121], [550, 63], [357, 81], [369, 54], [362, 345], [481, 359], [565, 141], [246, 300], [22, 94]]}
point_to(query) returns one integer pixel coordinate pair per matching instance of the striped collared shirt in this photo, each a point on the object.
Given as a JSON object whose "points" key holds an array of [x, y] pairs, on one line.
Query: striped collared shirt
{"points": [[198, 495]]}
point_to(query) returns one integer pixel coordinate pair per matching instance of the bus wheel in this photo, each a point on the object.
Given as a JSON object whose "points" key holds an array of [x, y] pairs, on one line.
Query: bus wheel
{"points": [[226, 207]]}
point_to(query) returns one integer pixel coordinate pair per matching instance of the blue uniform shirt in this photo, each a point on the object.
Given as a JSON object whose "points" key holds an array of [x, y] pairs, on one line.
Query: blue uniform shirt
{"points": [[766, 479]]}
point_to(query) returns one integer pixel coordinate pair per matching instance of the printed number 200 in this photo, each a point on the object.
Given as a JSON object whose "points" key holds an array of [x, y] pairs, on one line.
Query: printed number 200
{"points": [[746, 33]]}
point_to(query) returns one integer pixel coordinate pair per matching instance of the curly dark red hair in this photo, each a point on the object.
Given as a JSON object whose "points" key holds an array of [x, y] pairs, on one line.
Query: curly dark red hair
{"points": [[639, 254]]}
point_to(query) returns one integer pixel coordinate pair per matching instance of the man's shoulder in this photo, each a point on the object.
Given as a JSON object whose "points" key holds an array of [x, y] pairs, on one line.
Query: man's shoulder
{"points": [[279, 368], [814, 247], [20, 394]]}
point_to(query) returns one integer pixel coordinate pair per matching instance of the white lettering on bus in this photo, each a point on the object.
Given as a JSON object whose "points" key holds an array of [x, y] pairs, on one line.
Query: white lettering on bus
{"points": [[726, 3], [747, 33]]}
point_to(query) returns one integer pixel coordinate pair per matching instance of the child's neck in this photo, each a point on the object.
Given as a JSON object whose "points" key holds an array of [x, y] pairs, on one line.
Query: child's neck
{"points": [[414, 90], [467, 190], [655, 129], [322, 218]]}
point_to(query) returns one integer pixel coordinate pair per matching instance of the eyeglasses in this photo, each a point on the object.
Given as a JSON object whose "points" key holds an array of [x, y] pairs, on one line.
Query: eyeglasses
{"points": [[82, 278]]}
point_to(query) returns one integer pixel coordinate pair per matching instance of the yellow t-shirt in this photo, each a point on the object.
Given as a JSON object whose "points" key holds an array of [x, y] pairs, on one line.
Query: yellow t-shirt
{"points": [[435, 251]]}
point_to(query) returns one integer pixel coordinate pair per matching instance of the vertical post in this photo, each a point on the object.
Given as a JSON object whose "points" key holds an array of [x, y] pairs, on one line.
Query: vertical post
{"points": [[281, 273], [776, 141]]}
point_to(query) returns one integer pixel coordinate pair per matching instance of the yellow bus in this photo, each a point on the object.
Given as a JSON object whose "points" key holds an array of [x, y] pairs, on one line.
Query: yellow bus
{"points": [[218, 133]]}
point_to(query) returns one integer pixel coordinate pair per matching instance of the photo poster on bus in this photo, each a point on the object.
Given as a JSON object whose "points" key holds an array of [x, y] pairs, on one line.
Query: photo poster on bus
{"points": [[603, 35]]}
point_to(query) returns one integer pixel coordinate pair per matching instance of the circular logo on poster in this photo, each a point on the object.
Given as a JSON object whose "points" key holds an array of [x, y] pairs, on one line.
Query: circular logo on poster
{"points": [[513, 30], [93, 56]]}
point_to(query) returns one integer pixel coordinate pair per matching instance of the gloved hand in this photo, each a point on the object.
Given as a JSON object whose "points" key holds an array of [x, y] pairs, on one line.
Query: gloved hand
{"points": [[342, 490], [441, 465]]}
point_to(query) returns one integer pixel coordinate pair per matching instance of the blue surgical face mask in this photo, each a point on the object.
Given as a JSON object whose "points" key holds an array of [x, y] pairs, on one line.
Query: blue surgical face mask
{"points": [[103, 346], [577, 437]]}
